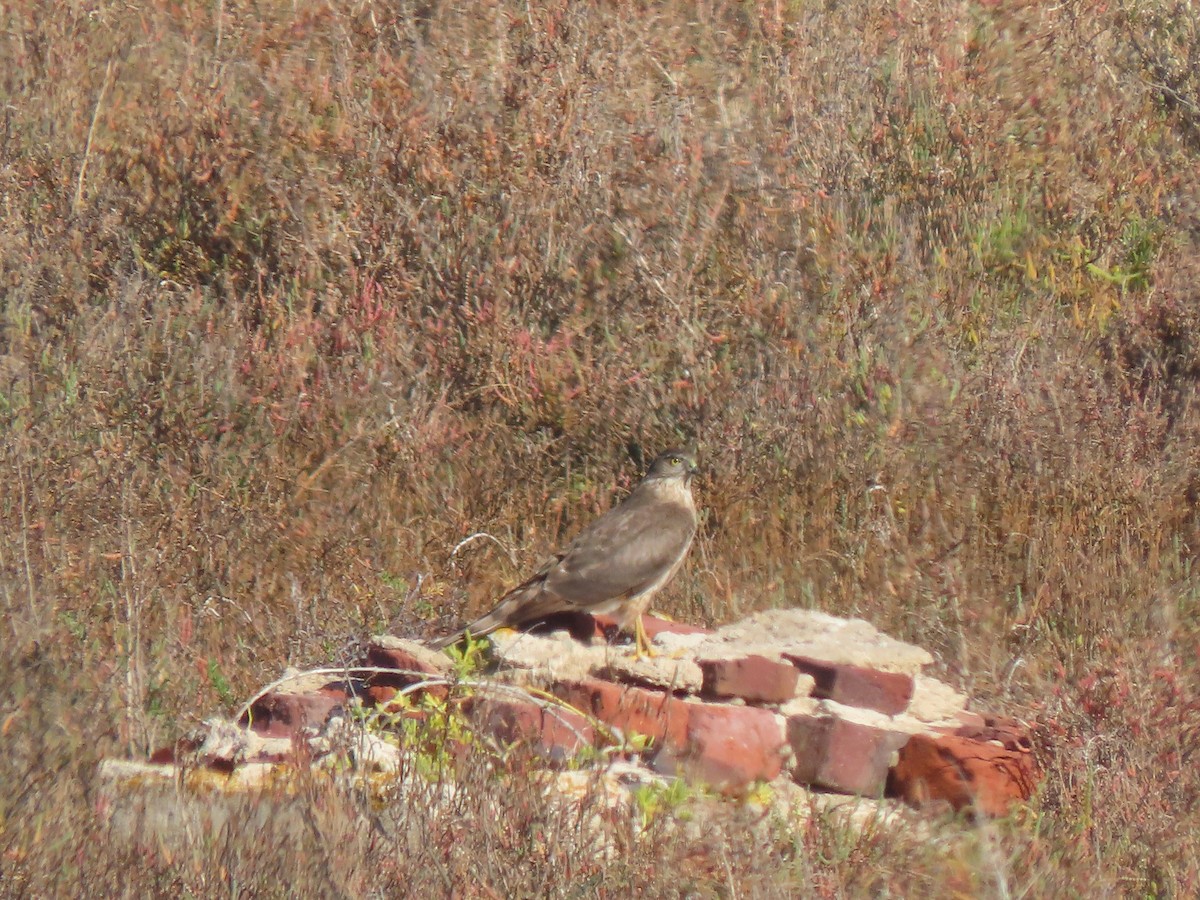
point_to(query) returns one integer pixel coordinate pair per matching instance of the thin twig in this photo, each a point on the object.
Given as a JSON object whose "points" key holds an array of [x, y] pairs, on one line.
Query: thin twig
{"points": [[87, 150], [25, 546], [483, 534]]}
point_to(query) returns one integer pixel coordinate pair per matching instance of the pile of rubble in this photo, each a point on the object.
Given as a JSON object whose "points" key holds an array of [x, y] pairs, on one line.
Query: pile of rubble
{"points": [[787, 697]]}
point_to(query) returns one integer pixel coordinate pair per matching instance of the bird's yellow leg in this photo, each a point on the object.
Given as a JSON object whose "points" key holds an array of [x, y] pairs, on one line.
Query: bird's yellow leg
{"points": [[641, 643]]}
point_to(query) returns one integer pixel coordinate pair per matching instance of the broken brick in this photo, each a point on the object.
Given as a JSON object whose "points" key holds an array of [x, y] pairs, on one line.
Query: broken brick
{"points": [[885, 692], [982, 775], [755, 679], [728, 747], [585, 626], [841, 755], [654, 714], [408, 657], [1007, 732], [557, 734], [281, 713]]}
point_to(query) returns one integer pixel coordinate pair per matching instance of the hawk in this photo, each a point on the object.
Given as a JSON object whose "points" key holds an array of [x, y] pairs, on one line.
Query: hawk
{"points": [[615, 565]]}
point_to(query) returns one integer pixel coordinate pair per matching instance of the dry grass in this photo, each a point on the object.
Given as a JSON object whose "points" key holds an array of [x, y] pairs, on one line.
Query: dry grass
{"points": [[296, 296]]}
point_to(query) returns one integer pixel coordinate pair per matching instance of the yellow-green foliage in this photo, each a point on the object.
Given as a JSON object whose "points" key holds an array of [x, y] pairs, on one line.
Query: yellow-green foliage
{"points": [[426, 728], [667, 799]]}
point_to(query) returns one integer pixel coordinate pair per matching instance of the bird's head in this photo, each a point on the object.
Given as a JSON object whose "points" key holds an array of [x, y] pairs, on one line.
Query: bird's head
{"points": [[674, 463]]}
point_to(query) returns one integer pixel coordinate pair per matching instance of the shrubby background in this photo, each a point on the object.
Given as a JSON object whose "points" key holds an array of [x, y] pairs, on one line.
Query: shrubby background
{"points": [[297, 296]]}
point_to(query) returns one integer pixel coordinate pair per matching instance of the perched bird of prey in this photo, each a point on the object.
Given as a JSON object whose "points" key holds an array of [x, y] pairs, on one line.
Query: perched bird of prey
{"points": [[615, 565]]}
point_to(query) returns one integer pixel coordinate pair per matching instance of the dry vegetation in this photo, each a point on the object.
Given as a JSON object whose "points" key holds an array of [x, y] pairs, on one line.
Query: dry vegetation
{"points": [[296, 296]]}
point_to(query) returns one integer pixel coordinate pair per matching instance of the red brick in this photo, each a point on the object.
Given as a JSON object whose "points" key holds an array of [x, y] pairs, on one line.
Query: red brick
{"points": [[183, 748], [755, 679], [397, 658], [381, 695], [279, 713], [584, 626], [557, 735], [970, 717], [634, 710], [580, 625], [984, 776], [401, 659], [841, 756], [1008, 733], [728, 747], [885, 692], [653, 626]]}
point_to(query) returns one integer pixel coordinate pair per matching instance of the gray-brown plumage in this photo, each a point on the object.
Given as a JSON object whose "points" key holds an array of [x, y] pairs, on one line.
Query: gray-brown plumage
{"points": [[615, 565]]}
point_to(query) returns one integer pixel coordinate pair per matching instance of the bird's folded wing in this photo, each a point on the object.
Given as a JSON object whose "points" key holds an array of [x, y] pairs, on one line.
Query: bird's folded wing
{"points": [[622, 555]]}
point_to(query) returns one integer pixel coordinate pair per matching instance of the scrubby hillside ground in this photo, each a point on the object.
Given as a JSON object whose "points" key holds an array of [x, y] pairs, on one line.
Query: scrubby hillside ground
{"points": [[297, 296]]}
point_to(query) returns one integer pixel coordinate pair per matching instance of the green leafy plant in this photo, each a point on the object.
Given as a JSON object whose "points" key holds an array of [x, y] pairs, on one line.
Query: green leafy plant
{"points": [[667, 798], [471, 656], [219, 683], [428, 729]]}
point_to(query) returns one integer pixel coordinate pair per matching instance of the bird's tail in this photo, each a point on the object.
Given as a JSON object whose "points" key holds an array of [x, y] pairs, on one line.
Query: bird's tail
{"points": [[523, 603]]}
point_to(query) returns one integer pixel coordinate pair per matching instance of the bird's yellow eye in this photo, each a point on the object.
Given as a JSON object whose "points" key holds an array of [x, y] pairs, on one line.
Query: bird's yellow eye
{"points": [[675, 460]]}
